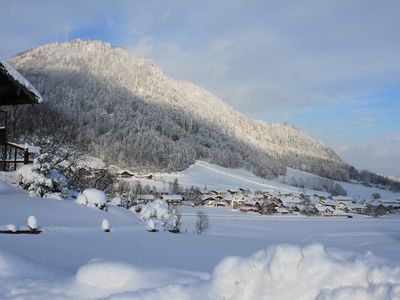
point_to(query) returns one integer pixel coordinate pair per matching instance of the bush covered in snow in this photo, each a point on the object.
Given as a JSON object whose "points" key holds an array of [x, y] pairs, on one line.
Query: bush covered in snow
{"points": [[158, 211], [105, 225], [32, 223], [41, 178], [11, 227], [92, 198], [151, 226], [116, 201]]}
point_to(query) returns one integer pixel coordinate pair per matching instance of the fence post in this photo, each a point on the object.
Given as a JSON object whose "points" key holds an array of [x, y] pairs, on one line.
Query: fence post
{"points": [[26, 156]]}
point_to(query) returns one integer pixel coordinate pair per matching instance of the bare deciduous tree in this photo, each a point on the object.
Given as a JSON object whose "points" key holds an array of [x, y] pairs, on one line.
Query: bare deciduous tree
{"points": [[202, 223], [175, 219]]}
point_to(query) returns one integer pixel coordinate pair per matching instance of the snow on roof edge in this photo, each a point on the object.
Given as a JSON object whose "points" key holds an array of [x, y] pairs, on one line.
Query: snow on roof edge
{"points": [[22, 80]]}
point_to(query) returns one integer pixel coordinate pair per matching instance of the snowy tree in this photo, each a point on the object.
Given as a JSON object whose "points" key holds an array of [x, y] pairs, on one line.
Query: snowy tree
{"points": [[151, 225], [32, 223], [174, 219], [376, 196], [175, 187], [105, 226], [42, 178], [202, 223]]}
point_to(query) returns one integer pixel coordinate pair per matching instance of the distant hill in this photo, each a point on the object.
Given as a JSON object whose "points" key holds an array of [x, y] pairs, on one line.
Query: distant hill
{"points": [[394, 178], [129, 113]]}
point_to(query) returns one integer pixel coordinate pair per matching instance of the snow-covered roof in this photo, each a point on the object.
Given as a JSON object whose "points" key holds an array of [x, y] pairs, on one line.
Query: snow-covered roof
{"points": [[171, 197], [322, 208], [343, 198], [328, 202], [281, 210], [29, 93], [146, 197], [208, 197], [355, 206]]}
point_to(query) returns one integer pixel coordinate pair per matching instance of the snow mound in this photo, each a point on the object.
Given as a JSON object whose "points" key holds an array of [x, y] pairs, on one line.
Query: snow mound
{"points": [[280, 272], [11, 227], [108, 275], [15, 266], [92, 198], [32, 222], [292, 272]]}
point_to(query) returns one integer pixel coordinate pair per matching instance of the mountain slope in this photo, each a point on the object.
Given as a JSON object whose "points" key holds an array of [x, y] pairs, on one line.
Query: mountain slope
{"points": [[131, 114]]}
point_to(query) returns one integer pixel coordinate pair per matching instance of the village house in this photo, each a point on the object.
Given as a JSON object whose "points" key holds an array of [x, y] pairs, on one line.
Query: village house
{"points": [[214, 201], [282, 211], [248, 209], [344, 199], [276, 201], [341, 206], [145, 198], [14, 90], [125, 174], [356, 208], [325, 210], [172, 199], [244, 191]]}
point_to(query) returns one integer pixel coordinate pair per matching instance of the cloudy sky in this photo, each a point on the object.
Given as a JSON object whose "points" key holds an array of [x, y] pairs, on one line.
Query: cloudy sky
{"points": [[330, 68]]}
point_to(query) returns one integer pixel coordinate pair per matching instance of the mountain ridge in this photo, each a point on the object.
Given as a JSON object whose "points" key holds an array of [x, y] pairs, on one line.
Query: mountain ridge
{"points": [[94, 80]]}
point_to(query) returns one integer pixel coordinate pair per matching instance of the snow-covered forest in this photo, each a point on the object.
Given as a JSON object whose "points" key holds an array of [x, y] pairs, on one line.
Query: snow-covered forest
{"points": [[130, 114]]}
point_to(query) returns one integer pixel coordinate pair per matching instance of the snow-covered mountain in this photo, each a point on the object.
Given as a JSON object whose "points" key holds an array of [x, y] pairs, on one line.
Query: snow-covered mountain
{"points": [[394, 178], [129, 113]]}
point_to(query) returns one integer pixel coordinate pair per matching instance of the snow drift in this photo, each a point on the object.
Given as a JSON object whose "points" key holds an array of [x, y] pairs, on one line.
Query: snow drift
{"points": [[280, 272], [290, 272], [312, 272]]}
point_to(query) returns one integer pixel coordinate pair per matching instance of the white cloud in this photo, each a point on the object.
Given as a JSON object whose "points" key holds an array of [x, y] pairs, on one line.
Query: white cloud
{"points": [[379, 154]]}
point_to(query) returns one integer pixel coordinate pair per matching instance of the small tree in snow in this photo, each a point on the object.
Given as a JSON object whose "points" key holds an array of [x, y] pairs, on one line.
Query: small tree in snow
{"points": [[175, 219], [41, 178], [376, 196], [32, 223], [202, 223], [151, 226], [175, 187], [105, 225], [12, 227]]}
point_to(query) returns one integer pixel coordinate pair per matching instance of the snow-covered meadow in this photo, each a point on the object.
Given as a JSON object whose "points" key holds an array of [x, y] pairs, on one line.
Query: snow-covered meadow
{"points": [[241, 256]]}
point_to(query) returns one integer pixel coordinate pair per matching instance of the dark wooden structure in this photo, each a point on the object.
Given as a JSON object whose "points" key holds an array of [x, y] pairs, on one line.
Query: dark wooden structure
{"points": [[14, 90]]}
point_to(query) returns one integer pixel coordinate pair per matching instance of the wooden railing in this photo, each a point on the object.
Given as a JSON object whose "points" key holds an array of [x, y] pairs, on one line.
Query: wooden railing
{"points": [[15, 160]]}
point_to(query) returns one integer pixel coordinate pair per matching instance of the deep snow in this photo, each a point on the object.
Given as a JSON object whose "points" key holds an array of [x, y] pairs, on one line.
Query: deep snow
{"points": [[242, 256]]}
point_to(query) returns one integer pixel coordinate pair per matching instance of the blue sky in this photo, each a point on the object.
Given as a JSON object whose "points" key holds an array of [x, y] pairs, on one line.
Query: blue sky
{"points": [[330, 68]]}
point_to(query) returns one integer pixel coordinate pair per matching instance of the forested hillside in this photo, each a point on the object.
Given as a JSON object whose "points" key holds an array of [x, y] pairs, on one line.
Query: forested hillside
{"points": [[129, 113]]}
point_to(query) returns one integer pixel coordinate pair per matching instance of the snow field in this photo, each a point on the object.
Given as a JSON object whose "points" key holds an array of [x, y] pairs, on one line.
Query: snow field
{"points": [[279, 272], [300, 258]]}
